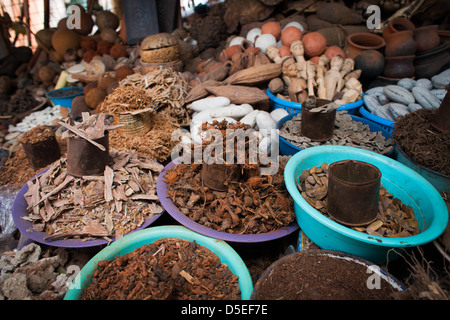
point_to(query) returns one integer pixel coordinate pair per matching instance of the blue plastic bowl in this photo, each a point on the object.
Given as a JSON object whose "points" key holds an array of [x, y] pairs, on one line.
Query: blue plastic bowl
{"points": [[388, 125], [402, 182], [289, 149], [294, 107], [438, 180], [135, 240], [65, 101]]}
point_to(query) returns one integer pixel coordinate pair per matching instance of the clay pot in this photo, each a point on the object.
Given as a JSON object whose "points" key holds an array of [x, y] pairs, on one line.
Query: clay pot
{"points": [[427, 37], [359, 42], [399, 67], [398, 24], [314, 43], [400, 43], [430, 62], [371, 63]]}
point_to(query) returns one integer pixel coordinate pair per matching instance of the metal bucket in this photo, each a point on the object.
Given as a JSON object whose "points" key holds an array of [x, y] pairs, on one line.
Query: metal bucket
{"points": [[317, 126], [353, 192], [86, 159], [42, 153]]}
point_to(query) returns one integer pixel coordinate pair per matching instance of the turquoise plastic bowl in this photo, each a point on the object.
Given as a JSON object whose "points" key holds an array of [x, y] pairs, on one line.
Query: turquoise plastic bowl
{"points": [[438, 180], [295, 107], [388, 125], [289, 149], [137, 239], [402, 182], [64, 101]]}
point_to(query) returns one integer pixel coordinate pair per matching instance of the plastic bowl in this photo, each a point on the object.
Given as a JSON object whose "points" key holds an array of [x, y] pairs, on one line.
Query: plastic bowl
{"points": [[438, 180], [172, 209], [278, 265], [133, 241], [64, 101], [295, 107], [388, 125], [289, 149], [402, 182]]}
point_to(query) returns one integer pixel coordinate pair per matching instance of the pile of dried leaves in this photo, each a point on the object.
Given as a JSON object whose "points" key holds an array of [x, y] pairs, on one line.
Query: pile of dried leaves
{"points": [[171, 268], [394, 220], [167, 89], [252, 203], [90, 207], [427, 146]]}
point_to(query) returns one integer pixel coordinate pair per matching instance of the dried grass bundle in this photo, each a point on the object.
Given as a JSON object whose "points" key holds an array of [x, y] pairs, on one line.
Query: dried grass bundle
{"points": [[127, 99], [166, 87], [155, 144]]}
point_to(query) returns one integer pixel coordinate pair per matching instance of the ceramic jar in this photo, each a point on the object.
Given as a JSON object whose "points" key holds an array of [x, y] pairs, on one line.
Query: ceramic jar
{"points": [[427, 37], [398, 24], [371, 63], [430, 62], [399, 67], [400, 43], [359, 42]]}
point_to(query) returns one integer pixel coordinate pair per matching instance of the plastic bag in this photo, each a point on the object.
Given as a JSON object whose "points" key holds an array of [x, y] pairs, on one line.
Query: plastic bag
{"points": [[7, 196]]}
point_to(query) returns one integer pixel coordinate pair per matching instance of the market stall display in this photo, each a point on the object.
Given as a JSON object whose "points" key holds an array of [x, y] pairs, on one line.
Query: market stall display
{"points": [[267, 125]]}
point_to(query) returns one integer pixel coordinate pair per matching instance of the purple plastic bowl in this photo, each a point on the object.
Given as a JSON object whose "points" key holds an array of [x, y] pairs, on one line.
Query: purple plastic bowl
{"points": [[172, 209], [19, 210]]}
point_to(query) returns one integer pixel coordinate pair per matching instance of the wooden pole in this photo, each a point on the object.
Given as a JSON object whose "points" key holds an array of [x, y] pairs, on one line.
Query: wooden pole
{"points": [[46, 14], [26, 11]]}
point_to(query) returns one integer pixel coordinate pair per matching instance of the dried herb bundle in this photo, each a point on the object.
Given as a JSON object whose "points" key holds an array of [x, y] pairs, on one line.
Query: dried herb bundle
{"points": [[94, 206], [126, 99], [166, 87], [166, 269], [155, 144]]}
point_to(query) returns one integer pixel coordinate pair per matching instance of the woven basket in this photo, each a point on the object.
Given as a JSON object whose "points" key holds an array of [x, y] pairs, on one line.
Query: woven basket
{"points": [[135, 125]]}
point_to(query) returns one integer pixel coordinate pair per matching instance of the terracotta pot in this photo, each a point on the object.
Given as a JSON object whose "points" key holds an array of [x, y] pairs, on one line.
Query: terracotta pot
{"points": [[430, 62], [398, 24], [399, 67], [371, 64], [400, 43], [359, 42], [427, 37]]}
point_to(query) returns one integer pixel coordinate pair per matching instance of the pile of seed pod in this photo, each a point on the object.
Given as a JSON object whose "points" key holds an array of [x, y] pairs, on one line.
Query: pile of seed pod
{"points": [[408, 95], [347, 132], [394, 219]]}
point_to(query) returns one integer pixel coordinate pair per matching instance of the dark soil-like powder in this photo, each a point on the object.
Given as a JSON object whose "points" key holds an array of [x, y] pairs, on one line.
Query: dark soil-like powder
{"points": [[309, 275], [424, 144]]}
